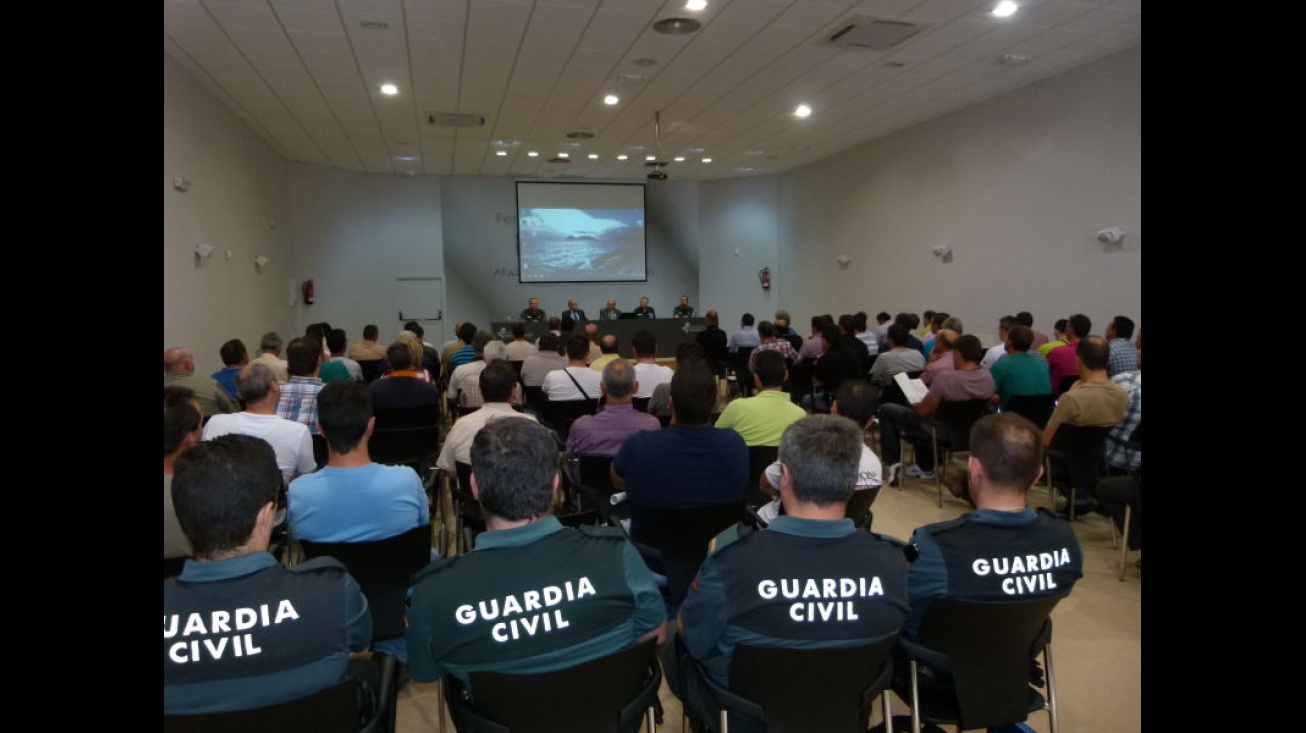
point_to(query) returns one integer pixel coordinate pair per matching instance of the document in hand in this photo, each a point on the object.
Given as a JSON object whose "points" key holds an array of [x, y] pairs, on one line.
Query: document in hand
{"points": [[914, 389]]}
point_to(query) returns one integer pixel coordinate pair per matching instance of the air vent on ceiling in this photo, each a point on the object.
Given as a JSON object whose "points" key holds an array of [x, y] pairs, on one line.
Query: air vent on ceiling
{"points": [[454, 119], [864, 31]]}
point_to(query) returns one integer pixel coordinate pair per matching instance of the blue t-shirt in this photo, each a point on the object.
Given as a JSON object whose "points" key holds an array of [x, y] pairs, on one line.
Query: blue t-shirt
{"points": [[370, 502], [680, 467]]}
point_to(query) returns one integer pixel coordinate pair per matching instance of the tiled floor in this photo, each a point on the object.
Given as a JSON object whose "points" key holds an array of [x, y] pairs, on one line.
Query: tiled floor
{"points": [[1097, 643]]}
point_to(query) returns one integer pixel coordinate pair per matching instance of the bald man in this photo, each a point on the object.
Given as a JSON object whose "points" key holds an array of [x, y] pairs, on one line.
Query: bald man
{"points": [[179, 368]]}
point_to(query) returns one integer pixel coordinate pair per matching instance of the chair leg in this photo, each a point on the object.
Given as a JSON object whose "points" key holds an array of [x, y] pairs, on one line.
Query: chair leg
{"points": [[1124, 541], [915, 702], [650, 717], [725, 721], [1052, 686], [443, 707], [886, 703]]}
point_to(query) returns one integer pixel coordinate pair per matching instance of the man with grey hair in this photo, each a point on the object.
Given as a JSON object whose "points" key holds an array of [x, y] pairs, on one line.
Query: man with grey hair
{"points": [[460, 619], [602, 434], [270, 353], [290, 440], [179, 369], [464, 383], [750, 590]]}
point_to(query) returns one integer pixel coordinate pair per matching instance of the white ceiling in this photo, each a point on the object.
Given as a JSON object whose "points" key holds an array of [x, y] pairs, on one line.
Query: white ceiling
{"points": [[305, 75]]}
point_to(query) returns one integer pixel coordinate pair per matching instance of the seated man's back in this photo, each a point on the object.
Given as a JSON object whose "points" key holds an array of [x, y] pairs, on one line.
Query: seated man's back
{"points": [[240, 630]]}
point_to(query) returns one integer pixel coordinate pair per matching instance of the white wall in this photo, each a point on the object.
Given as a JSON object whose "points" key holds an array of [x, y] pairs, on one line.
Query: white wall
{"points": [[1017, 185], [238, 186], [740, 236]]}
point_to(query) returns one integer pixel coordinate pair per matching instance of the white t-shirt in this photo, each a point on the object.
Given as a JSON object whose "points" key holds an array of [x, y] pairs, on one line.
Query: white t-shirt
{"points": [[559, 387], [289, 439], [650, 376], [993, 355], [868, 477]]}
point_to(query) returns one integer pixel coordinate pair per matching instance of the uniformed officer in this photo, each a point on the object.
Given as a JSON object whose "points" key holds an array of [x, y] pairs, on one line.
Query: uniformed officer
{"points": [[1004, 550], [533, 596], [240, 630], [810, 579], [532, 313], [645, 310], [684, 310]]}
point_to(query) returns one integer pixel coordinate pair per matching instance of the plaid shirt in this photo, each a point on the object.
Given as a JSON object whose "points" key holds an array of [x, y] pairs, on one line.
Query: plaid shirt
{"points": [[299, 401], [1124, 357], [784, 347], [1118, 451]]}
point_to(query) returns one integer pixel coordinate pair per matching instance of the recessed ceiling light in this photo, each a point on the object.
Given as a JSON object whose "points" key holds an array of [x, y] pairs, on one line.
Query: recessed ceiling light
{"points": [[593, 156], [623, 156], [501, 153], [650, 157], [645, 62], [390, 89], [506, 142], [745, 168], [679, 159], [707, 160], [1014, 59], [374, 25], [610, 100], [695, 5], [1005, 9], [635, 147], [676, 26], [532, 154], [564, 155], [802, 110], [580, 135], [405, 158]]}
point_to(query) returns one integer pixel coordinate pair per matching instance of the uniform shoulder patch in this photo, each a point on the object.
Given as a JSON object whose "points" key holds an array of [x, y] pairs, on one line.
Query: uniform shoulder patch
{"points": [[729, 536], [318, 565]]}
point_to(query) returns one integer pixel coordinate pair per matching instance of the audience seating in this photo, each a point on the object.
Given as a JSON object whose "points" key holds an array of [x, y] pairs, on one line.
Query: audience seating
{"points": [[987, 650], [604, 695], [1075, 461], [737, 368], [560, 414], [953, 420], [673, 542], [372, 369], [759, 457], [1036, 408]]}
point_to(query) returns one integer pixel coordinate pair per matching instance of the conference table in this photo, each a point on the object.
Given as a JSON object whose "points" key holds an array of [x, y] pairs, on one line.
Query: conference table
{"points": [[669, 332]]}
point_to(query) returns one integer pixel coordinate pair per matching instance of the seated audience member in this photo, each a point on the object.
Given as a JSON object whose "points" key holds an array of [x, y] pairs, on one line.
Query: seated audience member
{"points": [[648, 372], [603, 433], [353, 499], [761, 419], [464, 385], [402, 388], [225, 494], [1093, 401], [370, 348], [863, 335], [914, 336], [414, 344], [979, 556], [848, 340], [290, 440], [431, 356], [519, 348], [465, 353], [1026, 319], [659, 403], [1059, 338], [883, 320], [536, 366], [234, 356], [182, 421], [781, 322], [1124, 451], [1114, 493], [1061, 360], [298, 400], [1021, 372], [940, 356], [769, 340], [592, 334], [855, 401], [690, 463], [835, 365], [896, 357], [1124, 355], [339, 366], [714, 342], [270, 353], [812, 347], [745, 337], [458, 620], [607, 352], [497, 385], [735, 598], [998, 351], [967, 381], [179, 370], [924, 325], [576, 381], [447, 351]]}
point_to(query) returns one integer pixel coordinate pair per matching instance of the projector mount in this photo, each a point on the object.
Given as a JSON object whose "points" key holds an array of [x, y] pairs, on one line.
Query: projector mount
{"points": [[657, 164]]}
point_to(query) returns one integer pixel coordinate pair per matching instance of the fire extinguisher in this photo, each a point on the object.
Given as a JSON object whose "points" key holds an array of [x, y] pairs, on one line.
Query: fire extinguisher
{"points": [[765, 277], [308, 292]]}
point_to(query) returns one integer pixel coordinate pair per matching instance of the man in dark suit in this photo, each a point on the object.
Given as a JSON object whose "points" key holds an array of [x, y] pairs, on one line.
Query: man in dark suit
{"points": [[573, 310]]}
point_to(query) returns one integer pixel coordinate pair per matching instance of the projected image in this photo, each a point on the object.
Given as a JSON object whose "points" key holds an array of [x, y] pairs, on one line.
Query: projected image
{"points": [[574, 244]]}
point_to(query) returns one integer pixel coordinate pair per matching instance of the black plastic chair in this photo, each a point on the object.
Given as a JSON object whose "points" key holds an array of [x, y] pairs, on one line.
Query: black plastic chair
{"points": [[950, 434], [986, 650], [859, 507], [383, 569], [1066, 383], [172, 566], [321, 453], [604, 695], [535, 399], [407, 437], [1075, 461], [640, 403], [738, 367], [560, 414], [673, 542], [372, 369], [1036, 408], [334, 709], [468, 519], [802, 690], [759, 457]]}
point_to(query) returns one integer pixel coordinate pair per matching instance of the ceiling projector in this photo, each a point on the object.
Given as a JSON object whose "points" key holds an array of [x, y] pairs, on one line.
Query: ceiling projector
{"points": [[657, 175]]}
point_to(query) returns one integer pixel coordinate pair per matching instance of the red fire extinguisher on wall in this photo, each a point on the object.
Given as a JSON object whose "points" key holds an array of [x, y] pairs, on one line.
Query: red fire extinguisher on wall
{"points": [[764, 275], [309, 292]]}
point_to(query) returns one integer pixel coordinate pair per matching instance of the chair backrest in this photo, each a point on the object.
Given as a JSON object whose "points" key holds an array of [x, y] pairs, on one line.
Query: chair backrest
{"points": [[956, 417], [1037, 408], [987, 647], [383, 569], [560, 414], [859, 506], [596, 473], [335, 709], [739, 364], [800, 380], [321, 453], [535, 399], [371, 368], [640, 403], [801, 690], [680, 538], [1066, 382], [1080, 449], [603, 695], [759, 457]]}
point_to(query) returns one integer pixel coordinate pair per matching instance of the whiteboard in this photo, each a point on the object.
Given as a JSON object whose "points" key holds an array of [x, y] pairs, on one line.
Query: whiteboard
{"points": [[421, 299]]}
